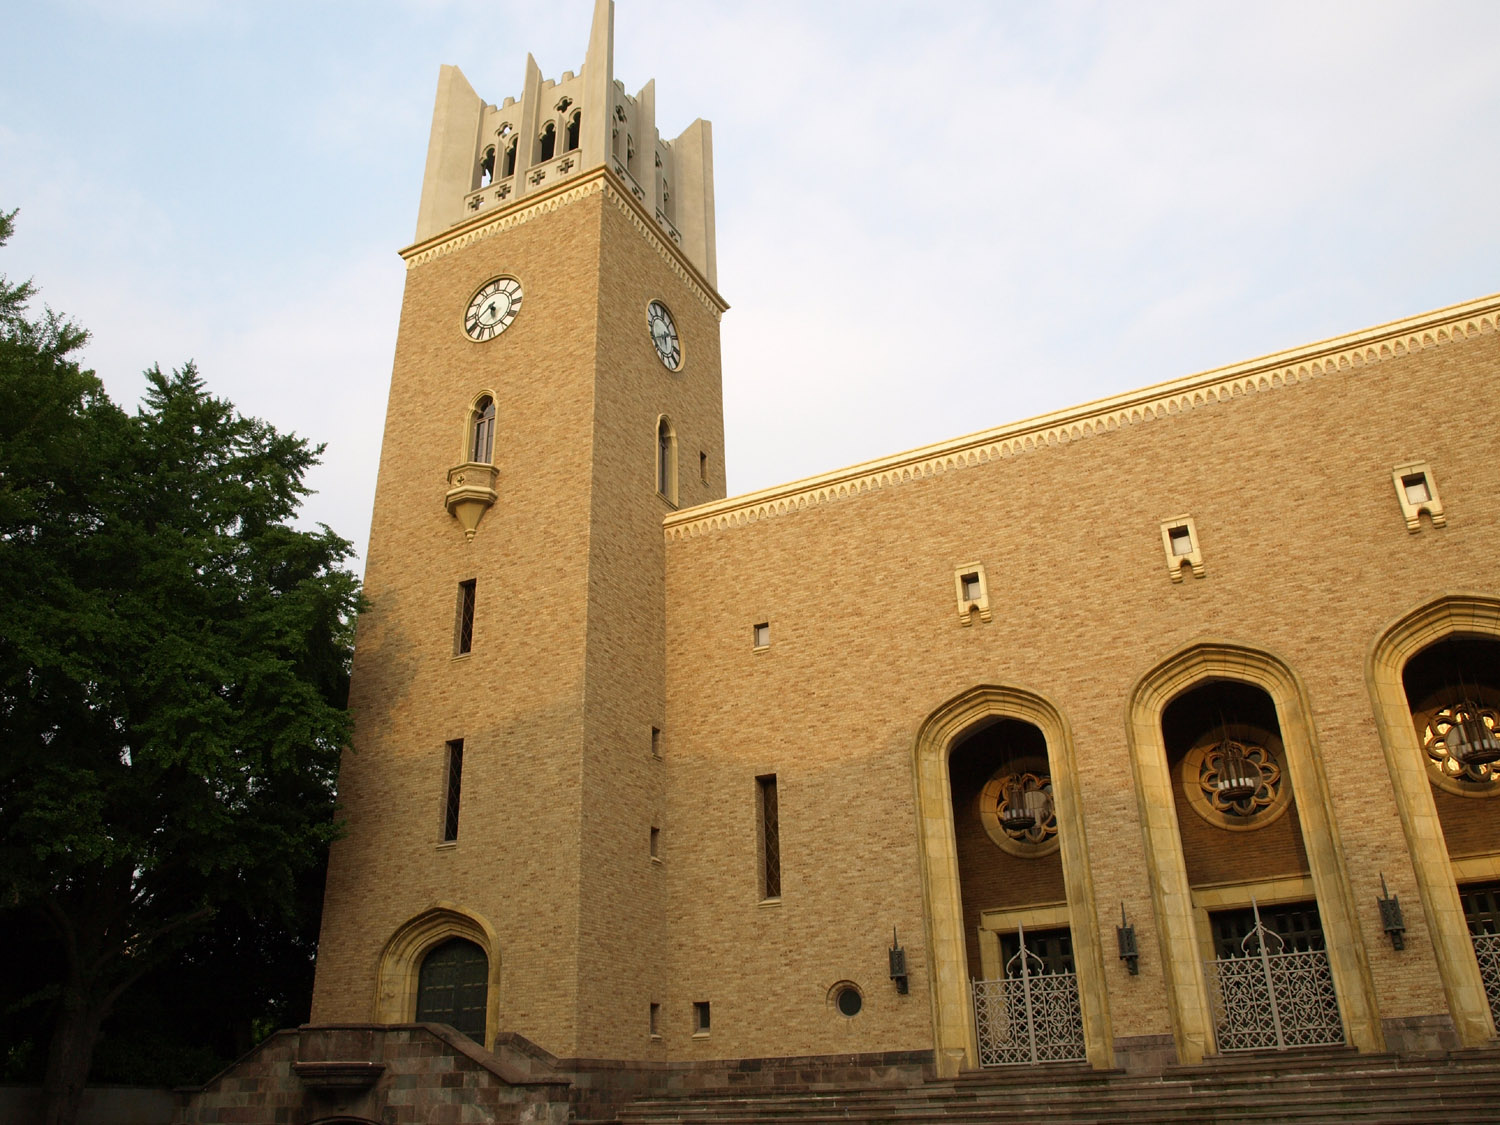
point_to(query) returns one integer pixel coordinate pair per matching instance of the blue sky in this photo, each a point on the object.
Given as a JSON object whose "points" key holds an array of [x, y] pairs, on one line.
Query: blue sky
{"points": [[931, 220]]}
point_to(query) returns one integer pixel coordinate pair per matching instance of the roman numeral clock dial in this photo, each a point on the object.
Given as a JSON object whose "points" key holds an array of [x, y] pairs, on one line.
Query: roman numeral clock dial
{"points": [[664, 336], [492, 309]]}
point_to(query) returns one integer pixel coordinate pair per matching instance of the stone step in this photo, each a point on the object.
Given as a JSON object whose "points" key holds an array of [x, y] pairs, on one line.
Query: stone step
{"points": [[1459, 1090]]}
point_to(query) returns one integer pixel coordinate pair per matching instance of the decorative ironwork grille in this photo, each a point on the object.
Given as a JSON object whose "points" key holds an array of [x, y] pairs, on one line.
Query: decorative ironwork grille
{"points": [[1482, 912], [1030, 1016], [1264, 997]]}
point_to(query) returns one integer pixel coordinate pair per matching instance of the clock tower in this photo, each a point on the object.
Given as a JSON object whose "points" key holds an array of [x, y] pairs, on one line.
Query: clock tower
{"points": [[555, 395]]}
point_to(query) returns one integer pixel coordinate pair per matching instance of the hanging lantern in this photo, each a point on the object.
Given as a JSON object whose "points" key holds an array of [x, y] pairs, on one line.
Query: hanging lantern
{"points": [[1239, 777], [1018, 814], [1470, 740]]}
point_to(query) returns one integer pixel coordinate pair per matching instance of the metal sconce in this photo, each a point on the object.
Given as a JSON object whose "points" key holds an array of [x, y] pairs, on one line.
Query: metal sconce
{"points": [[898, 964], [1390, 916], [1129, 952]]}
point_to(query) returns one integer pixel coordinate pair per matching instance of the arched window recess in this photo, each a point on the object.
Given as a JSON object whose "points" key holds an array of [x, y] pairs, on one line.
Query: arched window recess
{"points": [[547, 142], [666, 460], [509, 168], [487, 167], [575, 126], [471, 483]]}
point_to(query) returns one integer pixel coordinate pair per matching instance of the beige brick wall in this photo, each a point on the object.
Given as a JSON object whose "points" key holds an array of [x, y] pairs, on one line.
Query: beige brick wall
{"points": [[1306, 556], [592, 627]]}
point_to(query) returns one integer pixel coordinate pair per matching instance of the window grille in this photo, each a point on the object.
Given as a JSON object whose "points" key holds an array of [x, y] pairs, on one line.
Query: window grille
{"points": [[1298, 925], [455, 787], [770, 838], [464, 641]]}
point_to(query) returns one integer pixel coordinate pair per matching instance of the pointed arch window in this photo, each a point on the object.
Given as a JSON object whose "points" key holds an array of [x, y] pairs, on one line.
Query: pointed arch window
{"points": [[509, 168], [547, 142], [487, 167], [575, 126], [666, 460], [482, 431]]}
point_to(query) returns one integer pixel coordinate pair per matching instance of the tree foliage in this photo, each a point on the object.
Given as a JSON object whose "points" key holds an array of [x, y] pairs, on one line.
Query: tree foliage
{"points": [[173, 669]]}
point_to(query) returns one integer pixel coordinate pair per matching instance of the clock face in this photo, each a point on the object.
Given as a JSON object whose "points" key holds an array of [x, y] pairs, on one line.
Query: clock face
{"points": [[492, 309], [664, 335]]}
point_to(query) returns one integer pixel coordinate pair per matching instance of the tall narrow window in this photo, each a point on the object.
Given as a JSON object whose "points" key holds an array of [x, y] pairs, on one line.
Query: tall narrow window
{"points": [[463, 633], [455, 789], [630, 154], [487, 167], [482, 431], [571, 135], [666, 460], [770, 838], [655, 1018], [703, 467], [509, 168], [701, 1017], [547, 142]]}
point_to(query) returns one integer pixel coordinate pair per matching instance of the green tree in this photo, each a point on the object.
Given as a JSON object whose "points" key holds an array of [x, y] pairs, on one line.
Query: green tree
{"points": [[173, 671]]}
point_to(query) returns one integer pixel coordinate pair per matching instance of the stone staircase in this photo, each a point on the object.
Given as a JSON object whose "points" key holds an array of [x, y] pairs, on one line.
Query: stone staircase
{"points": [[1322, 1086]]}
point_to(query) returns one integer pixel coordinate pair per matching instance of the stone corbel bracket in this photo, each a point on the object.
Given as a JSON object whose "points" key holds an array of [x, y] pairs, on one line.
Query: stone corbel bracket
{"points": [[471, 493]]}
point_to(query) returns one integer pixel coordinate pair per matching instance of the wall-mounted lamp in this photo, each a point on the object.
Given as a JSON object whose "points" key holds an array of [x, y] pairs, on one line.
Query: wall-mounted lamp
{"points": [[898, 964], [1390, 916], [1129, 952]]}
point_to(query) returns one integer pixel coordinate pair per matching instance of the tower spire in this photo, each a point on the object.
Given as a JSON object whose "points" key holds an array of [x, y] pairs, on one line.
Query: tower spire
{"points": [[599, 84]]}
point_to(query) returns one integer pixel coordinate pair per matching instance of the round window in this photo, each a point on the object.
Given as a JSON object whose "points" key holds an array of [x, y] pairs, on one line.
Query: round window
{"points": [[849, 1000]]}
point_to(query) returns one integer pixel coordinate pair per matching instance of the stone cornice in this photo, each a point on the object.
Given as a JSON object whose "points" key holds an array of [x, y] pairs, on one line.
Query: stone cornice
{"points": [[1271, 372], [582, 186]]}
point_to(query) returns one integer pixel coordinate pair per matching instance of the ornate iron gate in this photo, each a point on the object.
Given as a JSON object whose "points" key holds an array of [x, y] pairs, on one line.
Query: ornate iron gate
{"points": [[1029, 1016], [1264, 997], [1481, 903]]}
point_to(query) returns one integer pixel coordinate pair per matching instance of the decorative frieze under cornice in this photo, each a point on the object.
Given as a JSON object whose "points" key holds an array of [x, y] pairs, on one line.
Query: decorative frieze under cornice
{"points": [[530, 206], [1078, 423]]}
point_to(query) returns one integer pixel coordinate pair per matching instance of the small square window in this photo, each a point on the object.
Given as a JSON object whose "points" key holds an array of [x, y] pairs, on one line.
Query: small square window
{"points": [[762, 635], [1417, 492], [656, 843], [1416, 488], [700, 1017], [1179, 539], [973, 596]]}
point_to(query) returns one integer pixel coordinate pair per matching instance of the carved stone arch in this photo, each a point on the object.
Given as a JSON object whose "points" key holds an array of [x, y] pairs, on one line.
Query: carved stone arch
{"points": [[1453, 615], [401, 962], [1206, 661], [952, 1020]]}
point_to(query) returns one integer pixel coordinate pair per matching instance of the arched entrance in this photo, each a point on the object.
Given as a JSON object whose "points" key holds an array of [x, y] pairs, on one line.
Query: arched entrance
{"points": [[966, 750], [442, 966], [453, 987], [1197, 731], [1428, 672], [1259, 930]]}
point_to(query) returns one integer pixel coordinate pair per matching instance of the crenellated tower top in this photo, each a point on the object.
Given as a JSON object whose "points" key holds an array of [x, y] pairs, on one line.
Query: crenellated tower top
{"points": [[484, 157]]}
